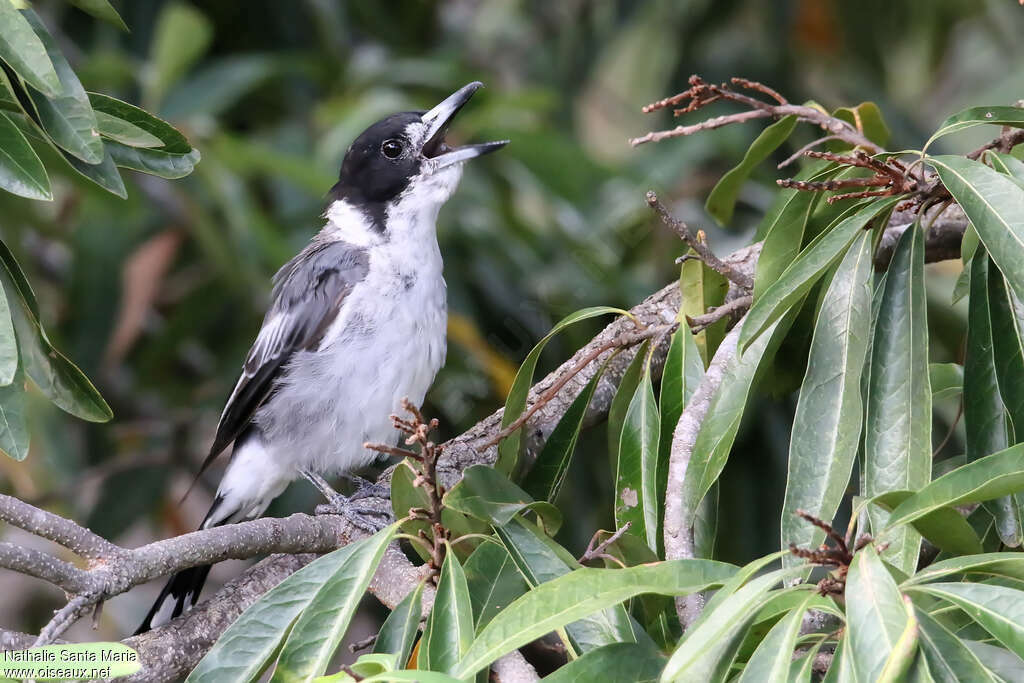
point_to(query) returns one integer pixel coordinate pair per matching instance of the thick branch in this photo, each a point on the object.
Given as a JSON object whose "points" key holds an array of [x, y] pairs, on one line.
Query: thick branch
{"points": [[78, 539]]}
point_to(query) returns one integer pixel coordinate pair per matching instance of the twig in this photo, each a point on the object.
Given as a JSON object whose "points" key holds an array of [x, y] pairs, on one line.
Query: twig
{"points": [[597, 552], [839, 555], [806, 148], [889, 174], [699, 244], [623, 340], [739, 305], [702, 93]]}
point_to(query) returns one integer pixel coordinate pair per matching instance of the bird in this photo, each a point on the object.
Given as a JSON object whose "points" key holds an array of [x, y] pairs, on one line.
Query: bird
{"points": [[357, 323]]}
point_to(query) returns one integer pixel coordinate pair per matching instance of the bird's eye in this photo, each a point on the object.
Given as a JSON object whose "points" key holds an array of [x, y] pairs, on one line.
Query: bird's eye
{"points": [[392, 149]]}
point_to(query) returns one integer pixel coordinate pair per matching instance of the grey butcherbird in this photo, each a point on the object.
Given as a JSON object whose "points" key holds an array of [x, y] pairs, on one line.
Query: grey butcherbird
{"points": [[357, 323]]}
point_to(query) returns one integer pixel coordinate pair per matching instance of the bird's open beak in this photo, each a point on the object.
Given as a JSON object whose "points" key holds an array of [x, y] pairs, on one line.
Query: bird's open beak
{"points": [[437, 119]]}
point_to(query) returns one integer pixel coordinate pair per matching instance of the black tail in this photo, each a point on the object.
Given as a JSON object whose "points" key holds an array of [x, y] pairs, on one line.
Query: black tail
{"points": [[182, 590]]}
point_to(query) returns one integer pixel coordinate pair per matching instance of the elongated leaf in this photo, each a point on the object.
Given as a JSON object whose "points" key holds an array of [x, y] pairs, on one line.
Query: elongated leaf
{"points": [[781, 214], [947, 380], [66, 116], [124, 132], [316, 633], [900, 662], [949, 660], [699, 656], [772, 658], [515, 403], [488, 495], [998, 609], [700, 289], [722, 200], [985, 418], [682, 373], [944, 527], [995, 206], [24, 51], [1006, 163], [14, 434], [57, 377], [104, 174], [718, 430], [539, 559], [820, 255], [615, 663], [977, 116], [170, 138], [620, 402], [897, 445], [21, 171], [449, 628], [1007, 317], [636, 481], [493, 580], [153, 161], [545, 478], [1009, 565], [101, 9], [990, 477], [827, 424], [245, 648], [8, 342], [876, 618], [399, 631], [867, 118], [1002, 662], [578, 594]]}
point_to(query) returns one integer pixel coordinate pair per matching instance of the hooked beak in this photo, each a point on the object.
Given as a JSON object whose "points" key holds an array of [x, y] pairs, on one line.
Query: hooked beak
{"points": [[434, 150]]}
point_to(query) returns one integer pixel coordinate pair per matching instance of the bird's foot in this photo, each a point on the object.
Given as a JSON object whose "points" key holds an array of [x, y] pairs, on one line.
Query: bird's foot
{"points": [[369, 519], [368, 489]]}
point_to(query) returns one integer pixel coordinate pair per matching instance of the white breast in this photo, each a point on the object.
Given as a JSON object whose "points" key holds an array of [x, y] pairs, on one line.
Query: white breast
{"points": [[388, 344]]}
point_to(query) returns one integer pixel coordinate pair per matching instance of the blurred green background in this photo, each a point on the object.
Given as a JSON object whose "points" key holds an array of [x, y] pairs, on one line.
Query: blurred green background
{"points": [[158, 297]]}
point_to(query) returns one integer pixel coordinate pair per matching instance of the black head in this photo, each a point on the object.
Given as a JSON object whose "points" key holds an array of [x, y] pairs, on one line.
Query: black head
{"points": [[391, 157]]}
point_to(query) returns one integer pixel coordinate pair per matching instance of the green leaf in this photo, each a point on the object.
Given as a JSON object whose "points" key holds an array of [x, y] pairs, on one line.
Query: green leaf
{"points": [[167, 136], [24, 51], [841, 670], [318, 630], [624, 392], [101, 9], [636, 480], [722, 200], [66, 116], [998, 609], [990, 477], [977, 116], [181, 36], [125, 132], [1001, 662], [539, 559], [949, 660], [946, 528], [1009, 565], [827, 423], [947, 380], [515, 403], [398, 633], [246, 647], [21, 171], [579, 594], [876, 618], [820, 255], [449, 628], [782, 214], [1006, 163], [104, 174], [14, 434], [771, 660], [701, 656], [486, 494], [985, 419], [995, 206], [784, 237], [545, 478], [867, 118], [615, 663], [57, 377], [8, 343], [153, 161], [718, 430], [682, 373], [493, 580], [898, 413], [901, 660], [700, 289]]}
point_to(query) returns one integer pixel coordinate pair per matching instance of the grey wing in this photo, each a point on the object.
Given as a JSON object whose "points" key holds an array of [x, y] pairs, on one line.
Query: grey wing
{"points": [[309, 291]]}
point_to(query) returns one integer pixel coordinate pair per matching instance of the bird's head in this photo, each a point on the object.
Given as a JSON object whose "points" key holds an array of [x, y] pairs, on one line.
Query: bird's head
{"points": [[401, 164]]}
